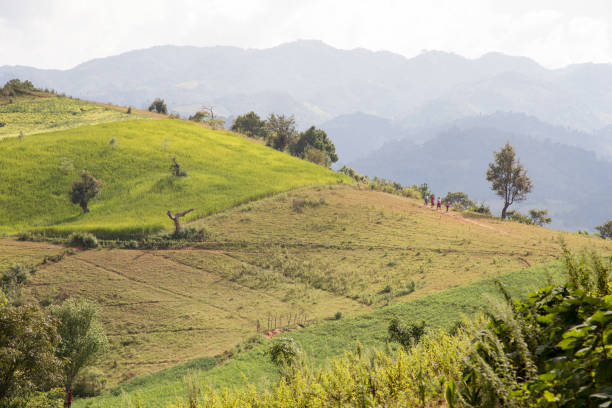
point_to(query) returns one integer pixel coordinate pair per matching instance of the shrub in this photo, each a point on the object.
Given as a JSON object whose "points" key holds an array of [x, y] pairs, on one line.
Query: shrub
{"points": [[459, 200], [89, 383], [284, 352], [407, 335], [82, 240], [129, 110], [481, 208], [338, 316], [518, 217]]}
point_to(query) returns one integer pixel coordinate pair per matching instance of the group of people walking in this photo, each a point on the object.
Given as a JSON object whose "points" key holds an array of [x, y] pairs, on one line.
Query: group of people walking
{"points": [[432, 199]]}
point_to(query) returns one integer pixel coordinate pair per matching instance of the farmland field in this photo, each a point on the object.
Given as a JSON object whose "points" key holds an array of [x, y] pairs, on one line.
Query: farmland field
{"points": [[343, 250], [30, 115], [223, 169]]}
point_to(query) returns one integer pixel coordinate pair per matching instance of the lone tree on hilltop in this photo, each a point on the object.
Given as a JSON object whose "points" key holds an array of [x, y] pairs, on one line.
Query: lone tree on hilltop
{"points": [[159, 106], [176, 217], [508, 177], [84, 190], [605, 230]]}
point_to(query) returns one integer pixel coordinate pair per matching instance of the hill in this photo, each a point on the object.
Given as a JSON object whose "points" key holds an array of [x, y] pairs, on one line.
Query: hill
{"points": [[292, 259], [38, 111], [570, 182], [224, 169]]}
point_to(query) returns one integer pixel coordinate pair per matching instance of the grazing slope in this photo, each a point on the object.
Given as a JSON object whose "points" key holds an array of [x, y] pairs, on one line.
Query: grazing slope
{"points": [[224, 169], [311, 252]]}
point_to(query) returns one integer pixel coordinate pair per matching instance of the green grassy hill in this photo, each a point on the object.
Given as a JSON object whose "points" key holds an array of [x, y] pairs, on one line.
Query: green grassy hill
{"points": [[309, 252], [224, 169], [325, 341], [41, 112]]}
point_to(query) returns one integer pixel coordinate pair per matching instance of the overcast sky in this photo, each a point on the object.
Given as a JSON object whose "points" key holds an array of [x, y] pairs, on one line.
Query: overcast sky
{"points": [[64, 33]]}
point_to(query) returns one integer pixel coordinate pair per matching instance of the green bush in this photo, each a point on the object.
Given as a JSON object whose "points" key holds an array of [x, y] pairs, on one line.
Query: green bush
{"points": [[284, 352], [90, 382], [83, 240]]}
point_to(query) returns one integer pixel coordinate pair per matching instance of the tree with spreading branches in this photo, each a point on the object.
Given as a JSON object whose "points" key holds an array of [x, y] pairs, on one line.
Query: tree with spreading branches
{"points": [[508, 177]]}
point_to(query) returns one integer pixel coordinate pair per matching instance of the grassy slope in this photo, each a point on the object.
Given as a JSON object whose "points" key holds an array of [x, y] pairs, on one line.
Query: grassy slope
{"points": [[320, 342], [161, 308], [223, 169], [46, 113]]}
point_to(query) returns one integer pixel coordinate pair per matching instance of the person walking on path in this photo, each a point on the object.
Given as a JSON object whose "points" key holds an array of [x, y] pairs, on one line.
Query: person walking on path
{"points": [[68, 403], [439, 206], [447, 205], [426, 197], [433, 199]]}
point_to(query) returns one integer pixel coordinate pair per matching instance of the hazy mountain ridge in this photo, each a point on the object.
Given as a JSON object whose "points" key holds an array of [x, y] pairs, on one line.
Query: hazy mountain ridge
{"points": [[326, 82], [569, 181]]}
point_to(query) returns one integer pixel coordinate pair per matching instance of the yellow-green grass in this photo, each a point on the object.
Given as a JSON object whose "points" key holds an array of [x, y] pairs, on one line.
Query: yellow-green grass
{"points": [[28, 115], [331, 339], [223, 169], [25, 253], [337, 255]]}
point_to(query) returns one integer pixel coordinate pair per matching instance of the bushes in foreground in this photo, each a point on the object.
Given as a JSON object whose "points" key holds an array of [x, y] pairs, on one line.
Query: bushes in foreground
{"points": [[552, 350], [405, 378]]}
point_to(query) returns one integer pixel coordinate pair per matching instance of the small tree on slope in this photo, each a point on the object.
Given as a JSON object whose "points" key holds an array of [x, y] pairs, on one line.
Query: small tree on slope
{"points": [[509, 178], [84, 190]]}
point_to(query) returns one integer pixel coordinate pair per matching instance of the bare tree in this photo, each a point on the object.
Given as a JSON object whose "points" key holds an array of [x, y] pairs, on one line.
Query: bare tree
{"points": [[176, 217]]}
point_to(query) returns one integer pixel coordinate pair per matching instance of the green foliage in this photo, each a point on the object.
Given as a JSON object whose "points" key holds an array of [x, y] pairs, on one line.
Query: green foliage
{"points": [[84, 240], [539, 217], [359, 178], [508, 178], [15, 87], [159, 106], [518, 217], [13, 280], [459, 200], [281, 131], [84, 190], [554, 348], [284, 352], [82, 338], [251, 125], [406, 378], [90, 382], [605, 230], [312, 141], [405, 334], [481, 208], [27, 360], [224, 168], [207, 116]]}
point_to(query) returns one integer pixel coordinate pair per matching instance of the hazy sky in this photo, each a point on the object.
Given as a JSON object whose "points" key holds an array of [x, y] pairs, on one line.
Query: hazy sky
{"points": [[64, 33]]}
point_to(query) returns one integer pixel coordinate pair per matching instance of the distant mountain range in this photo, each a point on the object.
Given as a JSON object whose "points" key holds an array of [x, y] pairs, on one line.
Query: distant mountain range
{"points": [[387, 114]]}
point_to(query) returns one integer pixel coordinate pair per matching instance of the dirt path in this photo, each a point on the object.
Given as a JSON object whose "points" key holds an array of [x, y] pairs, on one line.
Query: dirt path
{"points": [[459, 217]]}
